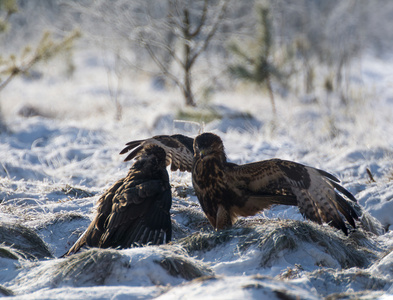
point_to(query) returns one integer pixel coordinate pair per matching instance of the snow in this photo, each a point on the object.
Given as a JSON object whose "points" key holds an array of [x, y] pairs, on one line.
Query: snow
{"points": [[54, 166]]}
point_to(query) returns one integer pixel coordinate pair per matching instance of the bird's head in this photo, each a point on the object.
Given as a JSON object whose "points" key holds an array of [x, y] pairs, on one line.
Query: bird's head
{"points": [[152, 156], [208, 145]]}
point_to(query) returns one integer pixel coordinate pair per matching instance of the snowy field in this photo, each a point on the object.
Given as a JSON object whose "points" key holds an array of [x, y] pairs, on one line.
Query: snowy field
{"points": [[56, 164]]}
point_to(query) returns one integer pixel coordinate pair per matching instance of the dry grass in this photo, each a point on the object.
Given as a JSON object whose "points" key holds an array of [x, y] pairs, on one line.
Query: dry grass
{"points": [[272, 237], [11, 253], [5, 292], [95, 266], [327, 281], [90, 267], [24, 240], [177, 265], [76, 192]]}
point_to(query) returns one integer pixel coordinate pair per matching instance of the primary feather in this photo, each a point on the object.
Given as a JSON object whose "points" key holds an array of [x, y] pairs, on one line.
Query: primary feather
{"points": [[178, 148]]}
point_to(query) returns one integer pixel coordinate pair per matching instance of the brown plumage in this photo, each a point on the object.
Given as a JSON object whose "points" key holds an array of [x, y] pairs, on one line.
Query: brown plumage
{"points": [[135, 210], [226, 190], [178, 148]]}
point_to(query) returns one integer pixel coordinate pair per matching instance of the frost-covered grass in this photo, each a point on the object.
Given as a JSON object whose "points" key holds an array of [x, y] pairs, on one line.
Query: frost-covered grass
{"points": [[54, 166]]}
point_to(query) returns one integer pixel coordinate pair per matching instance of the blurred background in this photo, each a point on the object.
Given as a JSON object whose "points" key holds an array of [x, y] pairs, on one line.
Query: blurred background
{"points": [[192, 60]]}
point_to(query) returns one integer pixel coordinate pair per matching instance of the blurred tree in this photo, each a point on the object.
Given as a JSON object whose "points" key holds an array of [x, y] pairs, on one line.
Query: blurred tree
{"points": [[7, 8], [165, 39], [255, 62], [193, 25], [47, 48], [331, 35], [183, 43]]}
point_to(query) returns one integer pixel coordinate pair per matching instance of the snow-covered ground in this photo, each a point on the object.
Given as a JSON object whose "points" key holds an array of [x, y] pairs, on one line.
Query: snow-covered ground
{"points": [[54, 166]]}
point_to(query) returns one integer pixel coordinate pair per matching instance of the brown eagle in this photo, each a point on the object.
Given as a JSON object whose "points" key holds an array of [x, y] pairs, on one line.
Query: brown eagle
{"points": [[226, 190], [135, 210]]}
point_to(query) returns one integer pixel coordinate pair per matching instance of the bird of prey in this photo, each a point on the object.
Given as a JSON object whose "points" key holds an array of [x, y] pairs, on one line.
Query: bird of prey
{"points": [[135, 210], [226, 190]]}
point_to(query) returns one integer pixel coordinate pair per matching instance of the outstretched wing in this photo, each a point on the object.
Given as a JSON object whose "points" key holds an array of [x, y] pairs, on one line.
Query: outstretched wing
{"points": [[318, 194], [178, 148]]}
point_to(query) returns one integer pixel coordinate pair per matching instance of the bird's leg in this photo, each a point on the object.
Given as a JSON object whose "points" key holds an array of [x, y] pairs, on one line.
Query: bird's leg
{"points": [[223, 219]]}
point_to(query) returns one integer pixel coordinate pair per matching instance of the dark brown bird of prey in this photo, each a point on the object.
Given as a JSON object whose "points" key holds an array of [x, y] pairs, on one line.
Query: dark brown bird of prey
{"points": [[135, 210], [226, 190]]}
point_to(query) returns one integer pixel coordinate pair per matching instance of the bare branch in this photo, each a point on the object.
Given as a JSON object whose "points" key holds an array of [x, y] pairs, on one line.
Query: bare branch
{"points": [[202, 21], [46, 49], [211, 33], [4, 83], [158, 62]]}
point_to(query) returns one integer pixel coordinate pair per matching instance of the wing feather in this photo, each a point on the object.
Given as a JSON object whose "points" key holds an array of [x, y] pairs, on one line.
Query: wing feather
{"points": [[327, 175], [131, 145], [145, 208], [336, 183], [92, 235], [317, 192], [347, 210], [135, 209], [178, 148], [344, 191]]}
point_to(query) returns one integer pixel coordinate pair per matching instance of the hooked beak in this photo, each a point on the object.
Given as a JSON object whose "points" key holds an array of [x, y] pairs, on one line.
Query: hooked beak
{"points": [[202, 153]]}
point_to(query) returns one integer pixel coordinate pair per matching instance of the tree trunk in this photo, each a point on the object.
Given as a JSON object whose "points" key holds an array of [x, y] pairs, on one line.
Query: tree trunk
{"points": [[187, 90], [270, 89], [3, 126]]}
